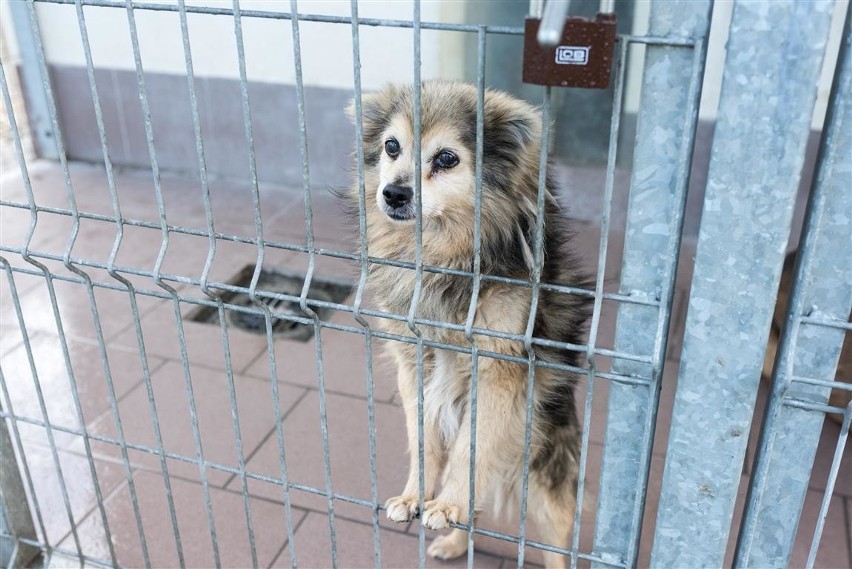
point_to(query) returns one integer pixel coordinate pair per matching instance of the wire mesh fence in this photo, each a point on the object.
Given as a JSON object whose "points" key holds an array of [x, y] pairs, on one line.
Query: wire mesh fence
{"points": [[138, 406]]}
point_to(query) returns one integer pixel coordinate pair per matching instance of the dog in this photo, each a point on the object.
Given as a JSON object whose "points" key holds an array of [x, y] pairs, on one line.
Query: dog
{"points": [[510, 173]]}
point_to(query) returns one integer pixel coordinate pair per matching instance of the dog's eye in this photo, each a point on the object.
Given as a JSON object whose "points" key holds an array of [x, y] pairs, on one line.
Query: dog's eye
{"points": [[392, 147], [446, 159]]}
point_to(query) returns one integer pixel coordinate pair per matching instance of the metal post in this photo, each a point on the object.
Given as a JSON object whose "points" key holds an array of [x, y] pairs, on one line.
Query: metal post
{"points": [[774, 54], [655, 216], [38, 110], [822, 291], [15, 519]]}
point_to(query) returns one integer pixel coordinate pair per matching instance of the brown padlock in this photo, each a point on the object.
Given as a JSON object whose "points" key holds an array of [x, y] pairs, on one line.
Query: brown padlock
{"points": [[583, 57]]}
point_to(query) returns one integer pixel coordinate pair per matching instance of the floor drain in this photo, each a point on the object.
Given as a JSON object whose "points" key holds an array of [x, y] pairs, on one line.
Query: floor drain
{"points": [[283, 282]]}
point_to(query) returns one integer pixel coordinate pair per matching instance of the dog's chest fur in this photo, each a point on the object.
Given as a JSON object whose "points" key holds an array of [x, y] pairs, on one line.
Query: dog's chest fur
{"points": [[443, 298], [444, 391]]}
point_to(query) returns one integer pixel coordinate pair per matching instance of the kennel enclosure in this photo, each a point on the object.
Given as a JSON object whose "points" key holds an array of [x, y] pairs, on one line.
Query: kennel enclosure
{"points": [[775, 51]]}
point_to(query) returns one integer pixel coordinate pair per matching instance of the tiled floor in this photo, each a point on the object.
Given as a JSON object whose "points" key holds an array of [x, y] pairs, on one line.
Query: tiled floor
{"points": [[211, 500]]}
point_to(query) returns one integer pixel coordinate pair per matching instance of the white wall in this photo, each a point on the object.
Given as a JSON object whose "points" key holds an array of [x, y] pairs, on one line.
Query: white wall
{"points": [[386, 53]]}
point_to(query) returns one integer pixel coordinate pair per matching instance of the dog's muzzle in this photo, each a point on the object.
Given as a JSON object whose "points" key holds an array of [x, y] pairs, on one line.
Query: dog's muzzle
{"points": [[398, 202], [397, 196]]}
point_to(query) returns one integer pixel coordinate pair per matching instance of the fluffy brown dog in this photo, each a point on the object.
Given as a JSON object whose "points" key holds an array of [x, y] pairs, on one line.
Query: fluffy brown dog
{"points": [[512, 136]]}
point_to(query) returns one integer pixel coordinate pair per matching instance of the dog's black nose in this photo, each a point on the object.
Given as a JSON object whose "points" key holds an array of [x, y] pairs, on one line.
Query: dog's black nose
{"points": [[397, 196]]}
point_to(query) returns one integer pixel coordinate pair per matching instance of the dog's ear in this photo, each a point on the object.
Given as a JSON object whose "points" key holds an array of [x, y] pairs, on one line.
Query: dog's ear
{"points": [[511, 125], [376, 111], [523, 126]]}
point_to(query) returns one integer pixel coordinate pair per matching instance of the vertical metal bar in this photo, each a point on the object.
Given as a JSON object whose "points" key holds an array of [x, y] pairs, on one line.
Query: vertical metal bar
{"points": [[16, 515], [19, 151], [8, 406], [829, 487], [241, 57], [477, 279], [270, 347], [38, 111], [822, 289], [276, 397], [84, 36], [273, 366], [16, 520], [48, 90], [164, 231], [211, 254], [660, 177], [279, 429], [152, 409], [778, 46], [362, 282], [535, 278], [418, 283], [615, 123], [63, 488], [111, 270], [309, 228]]}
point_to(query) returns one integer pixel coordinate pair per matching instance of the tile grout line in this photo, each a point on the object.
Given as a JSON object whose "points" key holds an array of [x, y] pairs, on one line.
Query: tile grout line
{"points": [[847, 517], [107, 412], [90, 511], [295, 530], [268, 435], [390, 401]]}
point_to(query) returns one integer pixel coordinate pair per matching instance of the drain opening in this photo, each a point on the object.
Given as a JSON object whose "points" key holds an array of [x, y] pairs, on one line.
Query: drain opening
{"points": [[282, 282]]}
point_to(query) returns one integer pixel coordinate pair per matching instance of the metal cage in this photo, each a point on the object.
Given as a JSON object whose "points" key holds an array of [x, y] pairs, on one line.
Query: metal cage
{"points": [[774, 53]]}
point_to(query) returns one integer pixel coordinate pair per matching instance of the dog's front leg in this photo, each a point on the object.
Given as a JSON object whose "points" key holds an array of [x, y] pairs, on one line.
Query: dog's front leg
{"points": [[404, 507], [499, 438]]}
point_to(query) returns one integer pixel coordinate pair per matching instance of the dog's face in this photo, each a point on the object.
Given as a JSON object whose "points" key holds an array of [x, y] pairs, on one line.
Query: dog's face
{"points": [[446, 171], [447, 153]]}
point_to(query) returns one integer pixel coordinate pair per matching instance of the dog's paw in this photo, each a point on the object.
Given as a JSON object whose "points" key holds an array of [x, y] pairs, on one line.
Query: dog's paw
{"points": [[439, 515], [448, 546], [401, 508]]}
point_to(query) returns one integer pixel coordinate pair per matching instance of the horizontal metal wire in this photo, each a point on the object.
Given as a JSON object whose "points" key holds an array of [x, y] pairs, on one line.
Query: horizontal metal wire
{"points": [[270, 480], [811, 406], [226, 287], [637, 297], [76, 555], [630, 380], [843, 384], [828, 323], [372, 22]]}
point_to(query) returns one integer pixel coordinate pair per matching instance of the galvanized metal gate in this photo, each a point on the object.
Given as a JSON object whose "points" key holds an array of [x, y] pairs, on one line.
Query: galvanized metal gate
{"points": [[774, 55]]}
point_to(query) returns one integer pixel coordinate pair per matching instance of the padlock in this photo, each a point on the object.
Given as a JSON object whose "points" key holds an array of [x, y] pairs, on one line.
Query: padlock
{"points": [[582, 57]]}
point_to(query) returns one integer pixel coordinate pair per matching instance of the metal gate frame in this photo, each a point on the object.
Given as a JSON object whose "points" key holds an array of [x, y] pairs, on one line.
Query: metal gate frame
{"points": [[706, 450]]}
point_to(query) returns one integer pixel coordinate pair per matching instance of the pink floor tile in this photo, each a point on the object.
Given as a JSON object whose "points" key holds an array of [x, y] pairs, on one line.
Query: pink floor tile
{"points": [[354, 544], [213, 411], [348, 439], [57, 389], [79, 484], [75, 309], [344, 364], [229, 520], [344, 369], [830, 551], [204, 344]]}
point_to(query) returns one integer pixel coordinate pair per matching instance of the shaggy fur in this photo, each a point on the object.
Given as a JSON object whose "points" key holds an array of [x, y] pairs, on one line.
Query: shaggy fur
{"points": [[512, 133]]}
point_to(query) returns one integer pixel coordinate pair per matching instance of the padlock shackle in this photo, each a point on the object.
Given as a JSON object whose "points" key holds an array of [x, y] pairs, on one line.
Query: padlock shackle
{"points": [[553, 14], [552, 22]]}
